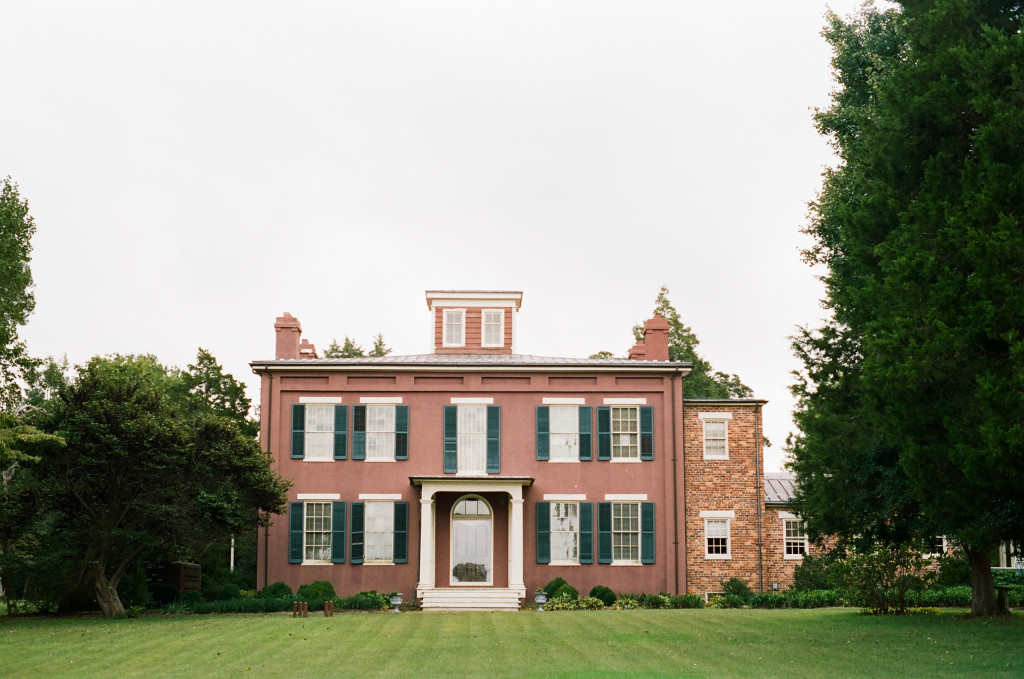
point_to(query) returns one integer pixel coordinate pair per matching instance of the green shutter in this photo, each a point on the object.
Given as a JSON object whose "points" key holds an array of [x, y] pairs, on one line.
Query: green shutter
{"points": [[295, 532], [604, 433], [543, 532], [358, 432], [586, 435], [646, 432], [401, 536], [543, 437], [604, 532], [298, 431], [401, 432], [451, 439], [646, 532], [586, 532], [357, 533], [337, 532], [340, 432], [493, 439]]}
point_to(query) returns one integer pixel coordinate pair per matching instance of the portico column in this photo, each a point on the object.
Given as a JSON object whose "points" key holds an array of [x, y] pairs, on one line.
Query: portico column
{"points": [[426, 540], [515, 541]]}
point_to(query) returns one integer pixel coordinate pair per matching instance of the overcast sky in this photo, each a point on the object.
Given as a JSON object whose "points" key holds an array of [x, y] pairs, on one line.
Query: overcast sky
{"points": [[196, 169]]}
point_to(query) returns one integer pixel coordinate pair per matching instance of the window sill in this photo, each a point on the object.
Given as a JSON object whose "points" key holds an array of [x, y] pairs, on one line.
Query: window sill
{"points": [[626, 460], [718, 557], [564, 461], [379, 460], [378, 563], [626, 563], [315, 563], [564, 563], [306, 459], [716, 457], [793, 557]]}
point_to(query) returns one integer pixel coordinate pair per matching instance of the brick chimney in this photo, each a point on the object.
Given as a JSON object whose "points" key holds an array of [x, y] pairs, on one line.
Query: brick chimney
{"points": [[288, 333], [638, 352], [656, 338]]}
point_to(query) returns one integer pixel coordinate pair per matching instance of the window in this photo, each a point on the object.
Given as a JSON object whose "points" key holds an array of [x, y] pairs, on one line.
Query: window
{"points": [[563, 433], [380, 433], [472, 439], [493, 328], [565, 532], [380, 532], [316, 532], [796, 538], [625, 433], [716, 536], [625, 532], [716, 439], [319, 431], [454, 327]]}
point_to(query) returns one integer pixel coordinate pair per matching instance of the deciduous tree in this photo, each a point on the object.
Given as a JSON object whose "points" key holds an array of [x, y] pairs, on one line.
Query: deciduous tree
{"points": [[16, 298]]}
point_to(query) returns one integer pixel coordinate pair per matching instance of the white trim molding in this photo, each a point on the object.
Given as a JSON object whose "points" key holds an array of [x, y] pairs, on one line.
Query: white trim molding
{"points": [[318, 496], [788, 515], [631, 401], [713, 514], [714, 416], [472, 400], [382, 400], [563, 497], [320, 399], [625, 497], [559, 401], [380, 496]]}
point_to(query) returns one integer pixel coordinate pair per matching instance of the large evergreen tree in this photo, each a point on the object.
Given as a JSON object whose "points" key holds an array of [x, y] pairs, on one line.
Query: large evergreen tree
{"points": [[921, 229]]}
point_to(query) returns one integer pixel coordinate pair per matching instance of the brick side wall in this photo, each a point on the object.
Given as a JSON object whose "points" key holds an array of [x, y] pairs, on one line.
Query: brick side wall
{"points": [[474, 332], [731, 484]]}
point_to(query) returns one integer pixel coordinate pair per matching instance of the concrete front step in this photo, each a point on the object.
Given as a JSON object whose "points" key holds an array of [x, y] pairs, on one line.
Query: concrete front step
{"points": [[469, 599]]}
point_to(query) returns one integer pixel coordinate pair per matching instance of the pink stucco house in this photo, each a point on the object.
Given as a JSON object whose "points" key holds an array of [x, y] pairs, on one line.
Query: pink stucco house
{"points": [[473, 475]]}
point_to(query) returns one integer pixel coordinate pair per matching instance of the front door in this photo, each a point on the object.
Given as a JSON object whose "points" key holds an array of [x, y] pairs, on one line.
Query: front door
{"points": [[472, 542]]}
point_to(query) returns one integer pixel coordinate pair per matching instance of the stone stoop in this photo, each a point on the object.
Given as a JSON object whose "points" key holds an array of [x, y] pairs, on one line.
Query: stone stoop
{"points": [[469, 599]]}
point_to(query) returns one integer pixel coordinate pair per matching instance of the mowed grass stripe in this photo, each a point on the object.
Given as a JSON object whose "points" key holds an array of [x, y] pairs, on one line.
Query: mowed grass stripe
{"points": [[688, 643]]}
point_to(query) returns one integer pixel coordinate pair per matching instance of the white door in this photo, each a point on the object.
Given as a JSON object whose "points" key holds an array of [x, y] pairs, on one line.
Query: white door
{"points": [[472, 544]]}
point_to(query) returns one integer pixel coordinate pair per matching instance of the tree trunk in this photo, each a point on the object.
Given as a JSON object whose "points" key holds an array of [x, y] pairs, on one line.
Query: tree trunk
{"points": [[106, 595], [983, 591]]}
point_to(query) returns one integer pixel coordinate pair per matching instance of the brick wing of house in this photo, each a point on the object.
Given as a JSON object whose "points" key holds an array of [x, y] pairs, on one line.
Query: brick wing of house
{"points": [[473, 475]]}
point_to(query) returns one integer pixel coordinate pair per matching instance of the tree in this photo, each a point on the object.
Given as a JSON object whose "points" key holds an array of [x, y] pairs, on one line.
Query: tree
{"points": [[16, 298], [143, 474], [703, 381], [349, 350], [379, 348], [209, 387], [921, 230]]}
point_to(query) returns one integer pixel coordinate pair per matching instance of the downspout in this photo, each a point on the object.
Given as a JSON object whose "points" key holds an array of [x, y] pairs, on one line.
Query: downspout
{"points": [[760, 499], [675, 482]]}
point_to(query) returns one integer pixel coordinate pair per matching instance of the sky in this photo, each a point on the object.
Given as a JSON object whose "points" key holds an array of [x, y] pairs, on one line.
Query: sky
{"points": [[197, 169]]}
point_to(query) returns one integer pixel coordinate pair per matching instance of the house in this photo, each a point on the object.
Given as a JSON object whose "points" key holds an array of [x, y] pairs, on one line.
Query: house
{"points": [[474, 475]]}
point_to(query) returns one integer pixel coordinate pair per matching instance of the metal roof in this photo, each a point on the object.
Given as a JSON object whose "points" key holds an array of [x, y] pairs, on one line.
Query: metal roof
{"points": [[779, 487], [472, 360]]}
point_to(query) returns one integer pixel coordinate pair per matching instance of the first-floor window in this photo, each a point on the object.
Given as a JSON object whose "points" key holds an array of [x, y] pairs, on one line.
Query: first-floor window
{"points": [[317, 532], [796, 538], [380, 531], [626, 532], [565, 532], [716, 535]]}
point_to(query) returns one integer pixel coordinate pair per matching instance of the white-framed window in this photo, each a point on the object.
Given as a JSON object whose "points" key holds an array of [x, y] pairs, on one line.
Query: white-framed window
{"points": [[317, 532], [563, 433], [795, 538], [625, 421], [379, 535], [319, 426], [380, 433], [472, 437], [626, 532], [565, 532], [454, 328], [716, 439], [716, 539], [493, 328]]}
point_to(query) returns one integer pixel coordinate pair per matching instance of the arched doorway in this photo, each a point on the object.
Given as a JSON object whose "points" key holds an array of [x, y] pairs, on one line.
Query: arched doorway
{"points": [[472, 548]]}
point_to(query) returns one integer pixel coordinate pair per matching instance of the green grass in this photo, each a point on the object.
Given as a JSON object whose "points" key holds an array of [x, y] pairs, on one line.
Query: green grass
{"points": [[679, 643]]}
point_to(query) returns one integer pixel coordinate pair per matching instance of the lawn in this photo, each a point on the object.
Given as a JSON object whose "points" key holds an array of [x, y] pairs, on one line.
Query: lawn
{"points": [[678, 643]]}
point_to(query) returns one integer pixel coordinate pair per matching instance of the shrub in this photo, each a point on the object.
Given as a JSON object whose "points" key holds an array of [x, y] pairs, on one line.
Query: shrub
{"points": [[590, 603], [364, 601], [191, 598], [603, 593], [551, 589], [561, 602], [739, 589], [229, 591], [254, 605], [654, 601], [163, 593], [567, 590], [275, 590], [954, 571], [768, 600], [687, 601], [626, 602], [828, 571], [318, 589]]}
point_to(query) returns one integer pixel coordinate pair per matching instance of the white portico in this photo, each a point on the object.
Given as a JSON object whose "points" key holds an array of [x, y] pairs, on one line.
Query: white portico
{"points": [[463, 561]]}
